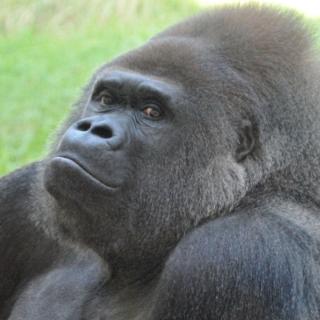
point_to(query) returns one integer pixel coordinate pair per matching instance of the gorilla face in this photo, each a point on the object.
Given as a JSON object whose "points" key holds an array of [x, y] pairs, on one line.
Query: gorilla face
{"points": [[146, 144], [126, 113], [125, 137]]}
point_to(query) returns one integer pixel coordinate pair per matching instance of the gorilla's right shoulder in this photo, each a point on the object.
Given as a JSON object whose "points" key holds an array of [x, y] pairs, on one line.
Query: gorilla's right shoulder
{"points": [[17, 204], [25, 250], [17, 185]]}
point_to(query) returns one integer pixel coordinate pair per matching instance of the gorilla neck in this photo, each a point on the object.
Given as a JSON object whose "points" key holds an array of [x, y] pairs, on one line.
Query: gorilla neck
{"points": [[130, 260]]}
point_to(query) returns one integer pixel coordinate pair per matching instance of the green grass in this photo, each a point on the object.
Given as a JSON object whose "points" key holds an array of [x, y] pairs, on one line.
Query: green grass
{"points": [[46, 59], [49, 49]]}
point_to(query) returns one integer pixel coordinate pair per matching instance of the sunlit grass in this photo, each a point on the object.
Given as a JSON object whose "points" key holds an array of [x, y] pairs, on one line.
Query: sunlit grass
{"points": [[309, 7], [71, 15]]}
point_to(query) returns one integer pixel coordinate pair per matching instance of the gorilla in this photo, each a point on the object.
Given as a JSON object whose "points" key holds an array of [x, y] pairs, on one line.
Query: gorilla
{"points": [[185, 184]]}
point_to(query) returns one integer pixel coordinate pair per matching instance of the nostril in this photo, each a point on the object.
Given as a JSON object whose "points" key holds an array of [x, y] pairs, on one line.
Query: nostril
{"points": [[84, 126], [102, 131]]}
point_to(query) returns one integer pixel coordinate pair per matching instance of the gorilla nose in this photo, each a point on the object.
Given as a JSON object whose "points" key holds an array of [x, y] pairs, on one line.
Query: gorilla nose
{"points": [[101, 130], [98, 133]]}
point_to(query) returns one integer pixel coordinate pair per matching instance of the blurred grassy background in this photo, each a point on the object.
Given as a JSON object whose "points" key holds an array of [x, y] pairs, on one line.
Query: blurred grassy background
{"points": [[49, 49]]}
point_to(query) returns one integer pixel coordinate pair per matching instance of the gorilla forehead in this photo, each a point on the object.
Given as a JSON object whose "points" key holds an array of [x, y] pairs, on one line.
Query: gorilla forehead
{"points": [[181, 60]]}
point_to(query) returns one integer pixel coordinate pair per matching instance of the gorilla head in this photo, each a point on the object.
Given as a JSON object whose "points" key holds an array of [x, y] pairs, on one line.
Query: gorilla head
{"points": [[179, 131]]}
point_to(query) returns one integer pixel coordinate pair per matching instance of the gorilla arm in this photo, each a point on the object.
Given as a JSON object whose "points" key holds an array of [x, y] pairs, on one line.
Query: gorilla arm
{"points": [[36, 270], [25, 251], [61, 292], [245, 266]]}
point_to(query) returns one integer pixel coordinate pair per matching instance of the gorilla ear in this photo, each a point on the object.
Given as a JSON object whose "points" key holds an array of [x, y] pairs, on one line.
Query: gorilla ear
{"points": [[246, 141]]}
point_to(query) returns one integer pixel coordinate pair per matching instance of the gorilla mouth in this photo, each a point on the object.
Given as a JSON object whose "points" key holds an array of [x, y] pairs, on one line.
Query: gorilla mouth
{"points": [[75, 164]]}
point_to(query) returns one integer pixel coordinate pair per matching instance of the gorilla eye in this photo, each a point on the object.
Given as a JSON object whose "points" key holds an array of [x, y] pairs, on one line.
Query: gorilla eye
{"points": [[152, 111], [105, 98]]}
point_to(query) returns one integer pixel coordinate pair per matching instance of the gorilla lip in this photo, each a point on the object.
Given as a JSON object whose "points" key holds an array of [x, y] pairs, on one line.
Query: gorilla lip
{"points": [[86, 172]]}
